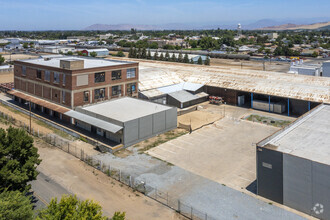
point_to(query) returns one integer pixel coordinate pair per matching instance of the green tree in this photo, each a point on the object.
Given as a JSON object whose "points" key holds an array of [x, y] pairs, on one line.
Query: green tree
{"points": [[130, 53], [15, 205], [120, 54], [69, 207], [315, 54], [144, 53], [25, 45], [207, 61], [149, 55], [200, 61], [161, 57], [186, 58], [2, 59], [192, 61], [134, 54], [69, 53], [180, 58], [18, 159], [156, 56], [167, 56], [93, 54], [80, 53], [138, 55], [118, 216], [173, 58]]}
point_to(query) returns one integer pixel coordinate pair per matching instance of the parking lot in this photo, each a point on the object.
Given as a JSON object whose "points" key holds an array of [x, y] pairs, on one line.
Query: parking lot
{"points": [[224, 151]]}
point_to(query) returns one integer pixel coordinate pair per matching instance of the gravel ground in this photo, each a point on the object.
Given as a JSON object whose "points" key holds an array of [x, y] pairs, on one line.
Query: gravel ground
{"points": [[217, 200]]}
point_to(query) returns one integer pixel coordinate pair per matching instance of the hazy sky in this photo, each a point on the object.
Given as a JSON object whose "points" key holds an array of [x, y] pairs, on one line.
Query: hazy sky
{"points": [[77, 14]]}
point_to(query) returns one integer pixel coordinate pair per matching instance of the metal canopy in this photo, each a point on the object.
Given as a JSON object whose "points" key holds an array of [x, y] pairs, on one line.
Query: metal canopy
{"points": [[94, 121]]}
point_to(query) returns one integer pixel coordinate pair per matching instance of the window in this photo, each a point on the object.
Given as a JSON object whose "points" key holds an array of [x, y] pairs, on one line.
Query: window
{"points": [[131, 88], [63, 79], [99, 77], [116, 75], [63, 96], [130, 73], [56, 77], [116, 90], [86, 96], [24, 70], [47, 75], [99, 93], [38, 74]]}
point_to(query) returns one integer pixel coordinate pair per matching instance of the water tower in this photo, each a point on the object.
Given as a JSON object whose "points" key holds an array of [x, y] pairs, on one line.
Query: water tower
{"points": [[239, 29]]}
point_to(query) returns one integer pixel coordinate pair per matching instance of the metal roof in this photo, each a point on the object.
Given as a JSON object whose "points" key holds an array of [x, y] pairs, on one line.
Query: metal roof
{"points": [[125, 109], [309, 88], [94, 121], [308, 137], [54, 61], [184, 96]]}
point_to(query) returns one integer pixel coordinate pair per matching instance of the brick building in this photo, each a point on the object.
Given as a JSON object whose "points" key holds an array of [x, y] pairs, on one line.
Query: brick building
{"points": [[56, 84]]}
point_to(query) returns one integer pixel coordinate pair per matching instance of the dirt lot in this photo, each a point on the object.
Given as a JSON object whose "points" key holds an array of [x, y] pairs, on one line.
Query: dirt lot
{"points": [[6, 77], [198, 119], [88, 183], [224, 151], [13, 57]]}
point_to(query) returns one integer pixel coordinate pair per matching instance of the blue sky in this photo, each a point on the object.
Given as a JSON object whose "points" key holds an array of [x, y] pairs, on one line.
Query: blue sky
{"points": [[77, 14]]}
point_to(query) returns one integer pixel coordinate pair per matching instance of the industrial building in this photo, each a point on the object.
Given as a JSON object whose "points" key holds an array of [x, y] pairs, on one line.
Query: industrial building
{"points": [[291, 94], [326, 69], [298, 67], [55, 84], [58, 49], [99, 52], [181, 95], [293, 165], [125, 120]]}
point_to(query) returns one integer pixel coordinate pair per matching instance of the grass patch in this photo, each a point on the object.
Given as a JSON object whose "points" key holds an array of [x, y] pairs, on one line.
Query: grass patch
{"points": [[170, 135], [83, 139], [56, 131], [197, 48], [268, 120]]}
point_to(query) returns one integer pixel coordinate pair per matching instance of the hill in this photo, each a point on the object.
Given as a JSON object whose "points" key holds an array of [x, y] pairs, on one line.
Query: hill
{"points": [[297, 27]]}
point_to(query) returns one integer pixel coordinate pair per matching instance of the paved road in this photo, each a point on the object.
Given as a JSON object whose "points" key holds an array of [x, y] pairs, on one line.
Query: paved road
{"points": [[44, 189]]}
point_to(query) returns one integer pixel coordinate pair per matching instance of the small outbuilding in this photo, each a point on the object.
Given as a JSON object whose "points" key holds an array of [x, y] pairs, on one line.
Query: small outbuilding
{"points": [[99, 52], [125, 120]]}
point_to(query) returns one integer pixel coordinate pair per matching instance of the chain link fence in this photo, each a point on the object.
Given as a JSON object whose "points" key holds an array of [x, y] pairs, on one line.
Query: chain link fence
{"points": [[125, 178]]}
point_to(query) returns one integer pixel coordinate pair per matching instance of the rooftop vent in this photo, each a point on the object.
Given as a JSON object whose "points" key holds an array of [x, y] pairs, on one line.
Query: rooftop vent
{"points": [[72, 64]]}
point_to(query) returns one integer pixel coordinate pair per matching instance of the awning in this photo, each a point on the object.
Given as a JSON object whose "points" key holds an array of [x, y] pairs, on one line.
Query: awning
{"points": [[41, 102], [94, 121]]}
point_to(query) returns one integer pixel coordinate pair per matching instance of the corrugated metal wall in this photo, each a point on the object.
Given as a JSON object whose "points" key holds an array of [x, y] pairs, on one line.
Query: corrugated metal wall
{"points": [[297, 183], [145, 127], [269, 174], [306, 186]]}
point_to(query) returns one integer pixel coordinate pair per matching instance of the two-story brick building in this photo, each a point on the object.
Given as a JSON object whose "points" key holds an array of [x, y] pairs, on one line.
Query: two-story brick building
{"points": [[55, 84]]}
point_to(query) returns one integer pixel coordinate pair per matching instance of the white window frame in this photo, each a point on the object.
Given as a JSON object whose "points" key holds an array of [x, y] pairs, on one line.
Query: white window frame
{"points": [[57, 79], [24, 70], [47, 75], [130, 73], [63, 96]]}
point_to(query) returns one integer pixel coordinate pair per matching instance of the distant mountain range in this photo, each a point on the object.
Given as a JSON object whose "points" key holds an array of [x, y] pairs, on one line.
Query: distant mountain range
{"points": [[314, 26], [265, 24]]}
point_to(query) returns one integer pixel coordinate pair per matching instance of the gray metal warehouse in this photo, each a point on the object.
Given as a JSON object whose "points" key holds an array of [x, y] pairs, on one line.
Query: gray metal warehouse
{"points": [[293, 165], [125, 120]]}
